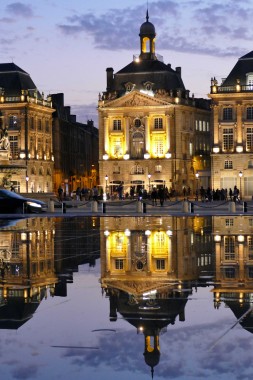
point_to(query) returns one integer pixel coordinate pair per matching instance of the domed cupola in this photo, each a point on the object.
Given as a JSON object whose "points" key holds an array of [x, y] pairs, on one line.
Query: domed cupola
{"points": [[147, 39]]}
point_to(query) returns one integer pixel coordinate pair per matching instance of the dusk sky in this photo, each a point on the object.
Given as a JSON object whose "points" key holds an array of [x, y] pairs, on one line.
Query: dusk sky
{"points": [[66, 45]]}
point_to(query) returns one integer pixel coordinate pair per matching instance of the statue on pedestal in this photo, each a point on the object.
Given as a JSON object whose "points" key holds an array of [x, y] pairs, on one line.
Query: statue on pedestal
{"points": [[4, 140]]}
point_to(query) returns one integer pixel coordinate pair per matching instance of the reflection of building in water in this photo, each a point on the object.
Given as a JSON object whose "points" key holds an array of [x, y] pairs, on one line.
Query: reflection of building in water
{"points": [[76, 242], [233, 236], [148, 268], [27, 269]]}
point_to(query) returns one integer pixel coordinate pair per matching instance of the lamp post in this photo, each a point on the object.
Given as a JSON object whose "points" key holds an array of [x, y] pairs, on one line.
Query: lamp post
{"points": [[27, 179], [149, 176], [197, 190], [106, 189], [240, 175]]}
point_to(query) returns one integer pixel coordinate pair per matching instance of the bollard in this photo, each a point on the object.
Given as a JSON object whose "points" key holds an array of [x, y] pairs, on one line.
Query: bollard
{"points": [[51, 206], [63, 207], [231, 206], [185, 206], [104, 207], [191, 207], [94, 206], [139, 206], [245, 207], [144, 208]]}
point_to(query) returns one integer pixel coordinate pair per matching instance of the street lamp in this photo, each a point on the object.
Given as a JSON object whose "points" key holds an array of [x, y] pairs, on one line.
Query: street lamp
{"points": [[240, 175], [106, 179], [149, 176], [27, 179], [197, 191]]}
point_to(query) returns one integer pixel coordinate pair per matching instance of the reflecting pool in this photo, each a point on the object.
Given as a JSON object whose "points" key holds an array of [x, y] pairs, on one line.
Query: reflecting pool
{"points": [[126, 298]]}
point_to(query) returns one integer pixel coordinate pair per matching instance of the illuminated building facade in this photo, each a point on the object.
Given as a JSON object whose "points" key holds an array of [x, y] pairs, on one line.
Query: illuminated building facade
{"points": [[233, 281], [232, 125], [26, 117], [151, 131]]}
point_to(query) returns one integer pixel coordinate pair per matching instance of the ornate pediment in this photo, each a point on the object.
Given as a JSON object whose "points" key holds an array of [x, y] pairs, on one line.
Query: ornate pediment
{"points": [[135, 99], [137, 287]]}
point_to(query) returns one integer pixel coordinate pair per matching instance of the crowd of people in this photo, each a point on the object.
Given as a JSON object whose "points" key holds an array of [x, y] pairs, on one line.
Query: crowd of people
{"points": [[158, 195], [218, 194]]}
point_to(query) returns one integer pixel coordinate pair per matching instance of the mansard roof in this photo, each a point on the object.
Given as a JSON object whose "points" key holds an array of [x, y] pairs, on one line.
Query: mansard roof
{"points": [[243, 67], [13, 79]]}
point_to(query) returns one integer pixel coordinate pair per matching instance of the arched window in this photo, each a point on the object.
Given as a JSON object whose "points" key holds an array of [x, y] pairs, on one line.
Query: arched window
{"points": [[137, 145]]}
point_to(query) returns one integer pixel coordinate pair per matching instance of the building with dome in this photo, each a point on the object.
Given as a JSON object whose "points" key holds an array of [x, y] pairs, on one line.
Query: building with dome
{"points": [[26, 155], [232, 139], [152, 133]]}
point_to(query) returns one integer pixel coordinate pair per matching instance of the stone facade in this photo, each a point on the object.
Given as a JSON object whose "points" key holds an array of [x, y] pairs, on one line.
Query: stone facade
{"points": [[151, 131], [232, 126], [27, 119]]}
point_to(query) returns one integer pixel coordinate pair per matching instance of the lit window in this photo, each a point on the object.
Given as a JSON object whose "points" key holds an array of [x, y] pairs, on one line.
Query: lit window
{"points": [[249, 139], [13, 146], [229, 222], [228, 164], [158, 168], [158, 123], [119, 264], [117, 125], [228, 139], [160, 264]]}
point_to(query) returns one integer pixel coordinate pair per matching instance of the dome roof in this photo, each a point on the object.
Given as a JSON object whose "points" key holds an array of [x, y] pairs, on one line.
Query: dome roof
{"points": [[147, 28]]}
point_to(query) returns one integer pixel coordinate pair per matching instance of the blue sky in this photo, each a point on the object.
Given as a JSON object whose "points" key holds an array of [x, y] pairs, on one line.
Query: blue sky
{"points": [[66, 45]]}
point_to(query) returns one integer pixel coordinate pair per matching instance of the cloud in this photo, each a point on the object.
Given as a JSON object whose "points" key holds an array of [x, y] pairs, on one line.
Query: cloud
{"points": [[213, 33], [25, 372], [20, 9]]}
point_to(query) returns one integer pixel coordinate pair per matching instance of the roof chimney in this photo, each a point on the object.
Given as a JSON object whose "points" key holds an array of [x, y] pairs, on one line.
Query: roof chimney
{"points": [[109, 72]]}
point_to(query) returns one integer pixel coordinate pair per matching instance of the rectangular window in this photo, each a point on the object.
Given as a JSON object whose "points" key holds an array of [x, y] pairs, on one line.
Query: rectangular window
{"points": [[13, 122], [158, 168], [32, 122], [229, 222], [14, 147], [47, 126], [158, 147], [196, 125], [249, 138], [158, 123], [39, 148], [249, 113], [227, 113], [229, 247], [228, 164], [39, 125], [229, 272], [119, 264], [117, 125], [228, 139], [160, 264], [117, 148]]}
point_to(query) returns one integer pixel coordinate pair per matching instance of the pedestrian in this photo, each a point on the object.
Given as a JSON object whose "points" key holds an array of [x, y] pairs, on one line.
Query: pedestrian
{"points": [[60, 193], [95, 193], [161, 195], [154, 196]]}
